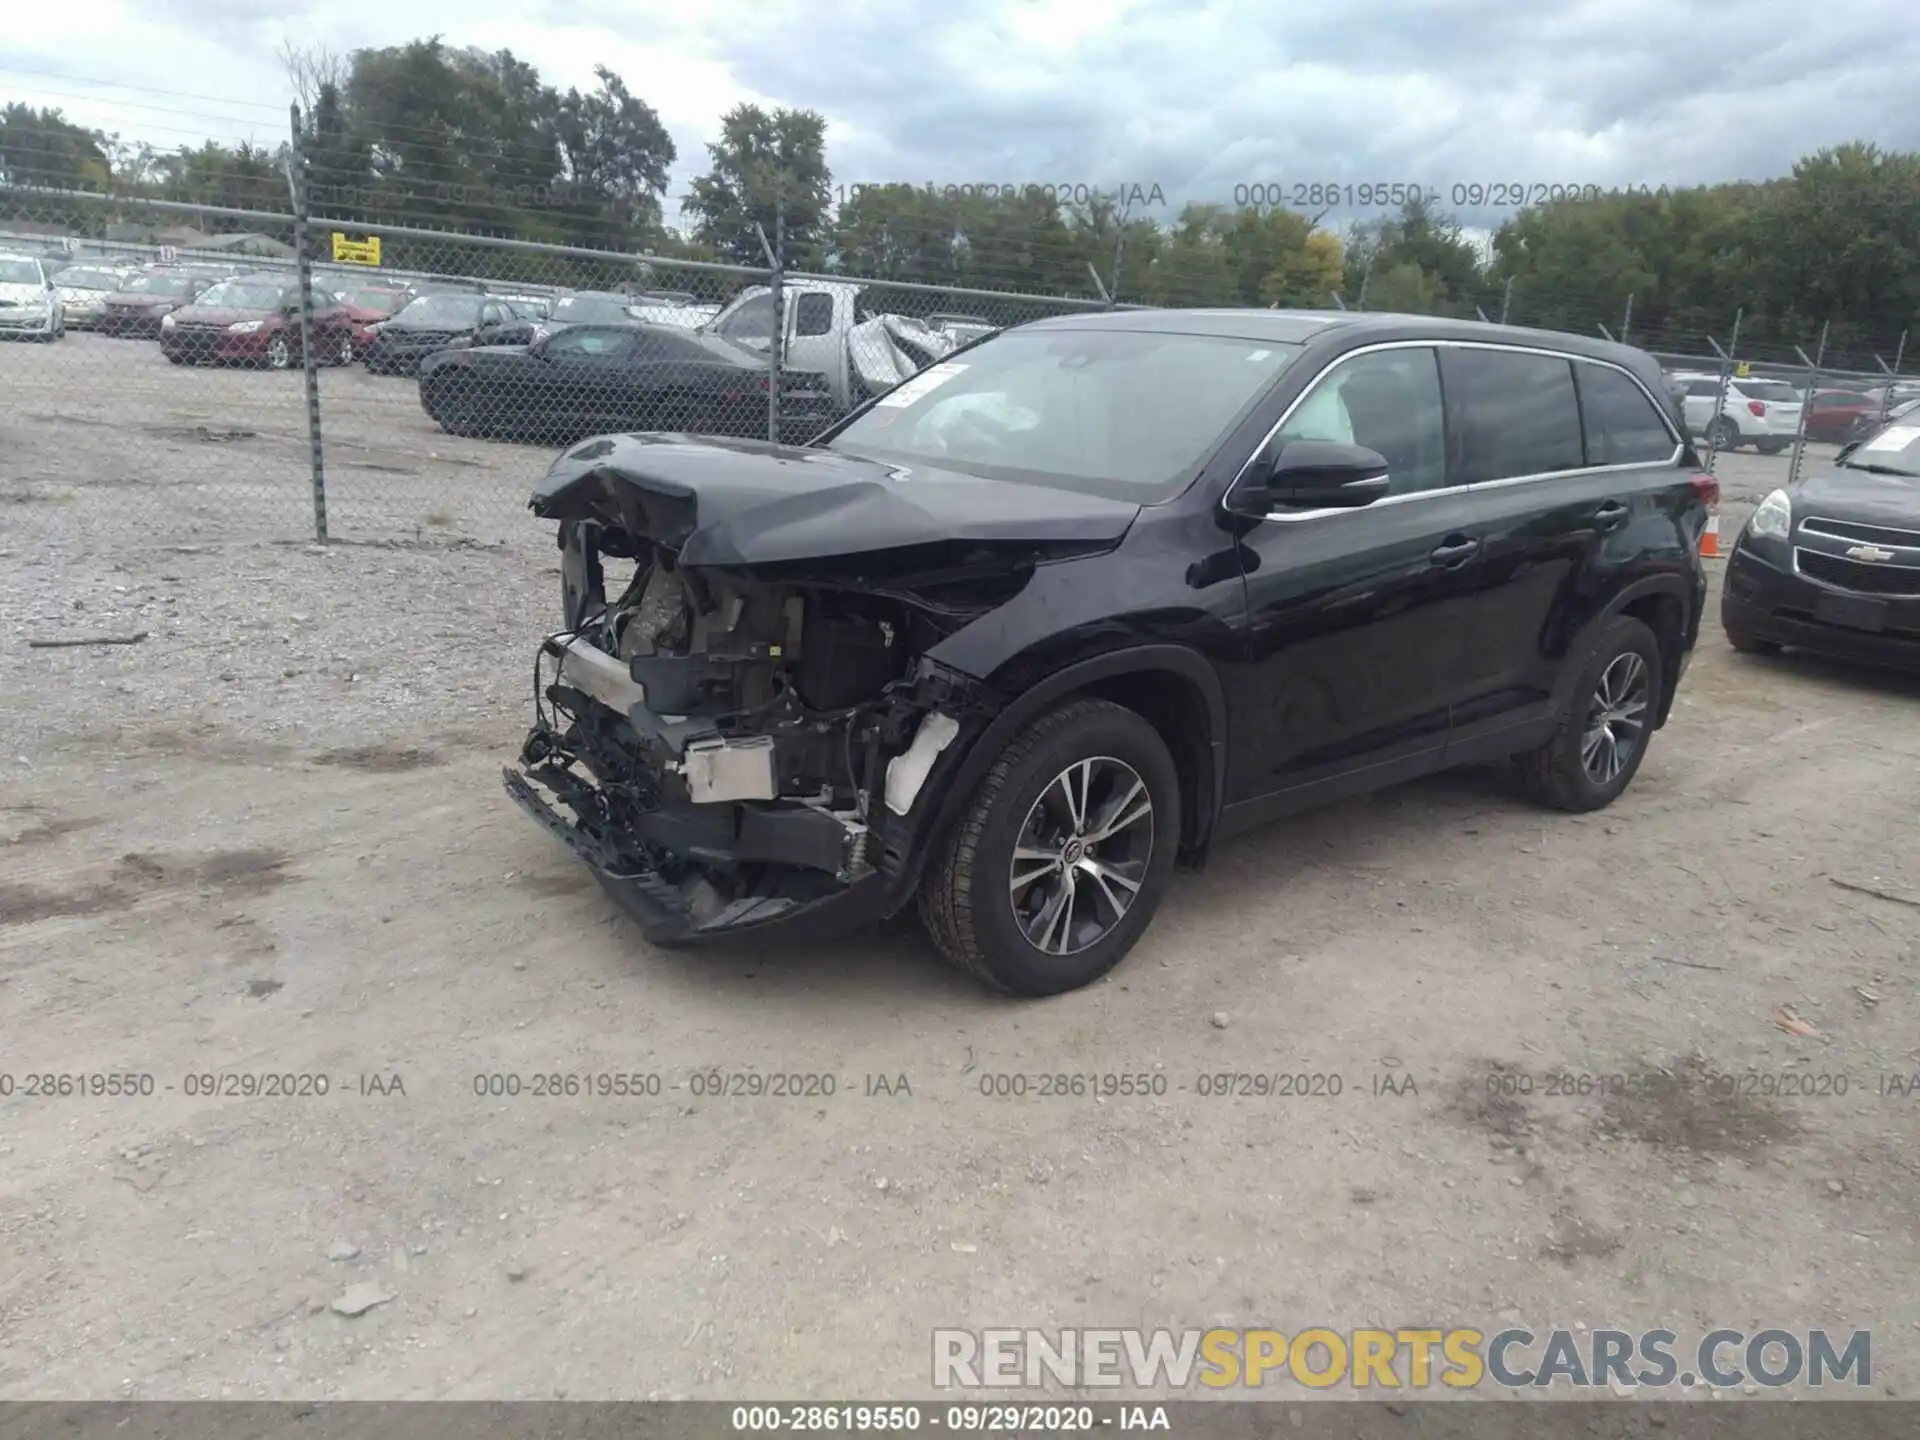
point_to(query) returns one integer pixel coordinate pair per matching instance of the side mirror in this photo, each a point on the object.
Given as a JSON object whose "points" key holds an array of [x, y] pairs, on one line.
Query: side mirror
{"points": [[1320, 475]]}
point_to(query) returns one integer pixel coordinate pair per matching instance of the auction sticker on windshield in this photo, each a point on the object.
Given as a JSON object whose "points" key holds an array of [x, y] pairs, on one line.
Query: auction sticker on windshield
{"points": [[925, 383], [1896, 437]]}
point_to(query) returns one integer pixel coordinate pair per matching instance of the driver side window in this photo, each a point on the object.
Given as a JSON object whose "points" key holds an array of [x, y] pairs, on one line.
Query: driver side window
{"points": [[1388, 401]]}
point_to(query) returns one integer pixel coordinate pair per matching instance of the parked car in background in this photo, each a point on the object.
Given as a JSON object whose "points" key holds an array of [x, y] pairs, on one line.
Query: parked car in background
{"points": [[581, 307], [1762, 413], [255, 320], [1841, 415], [587, 378], [367, 306], [143, 301], [1831, 563], [832, 331], [433, 322], [29, 304], [84, 290], [1029, 631]]}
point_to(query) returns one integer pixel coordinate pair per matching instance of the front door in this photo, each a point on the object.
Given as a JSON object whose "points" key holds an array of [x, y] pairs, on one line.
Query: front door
{"points": [[1357, 619]]}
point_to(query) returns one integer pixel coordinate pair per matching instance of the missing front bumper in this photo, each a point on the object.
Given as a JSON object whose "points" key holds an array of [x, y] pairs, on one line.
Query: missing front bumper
{"points": [[764, 875]]}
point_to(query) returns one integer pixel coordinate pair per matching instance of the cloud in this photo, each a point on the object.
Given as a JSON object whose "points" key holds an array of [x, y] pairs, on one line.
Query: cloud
{"points": [[1198, 97]]}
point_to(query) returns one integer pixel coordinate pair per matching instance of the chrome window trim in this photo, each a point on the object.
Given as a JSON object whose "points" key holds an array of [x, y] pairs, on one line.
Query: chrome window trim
{"points": [[1288, 516]]}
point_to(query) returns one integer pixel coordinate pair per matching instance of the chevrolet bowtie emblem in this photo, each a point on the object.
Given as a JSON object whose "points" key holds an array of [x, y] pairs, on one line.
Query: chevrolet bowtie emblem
{"points": [[1871, 553]]}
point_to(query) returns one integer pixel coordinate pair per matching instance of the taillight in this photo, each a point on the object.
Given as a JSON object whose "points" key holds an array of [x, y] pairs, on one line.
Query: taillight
{"points": [[1706, 487], [1757, 407]]}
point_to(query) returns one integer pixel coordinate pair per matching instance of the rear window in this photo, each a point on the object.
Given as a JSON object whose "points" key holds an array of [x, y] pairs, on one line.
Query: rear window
{"points": [[1623, 426], [1770, 390]]}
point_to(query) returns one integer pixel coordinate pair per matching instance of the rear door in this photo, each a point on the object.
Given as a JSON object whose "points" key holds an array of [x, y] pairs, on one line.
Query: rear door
{"points": [[1575, 470]]}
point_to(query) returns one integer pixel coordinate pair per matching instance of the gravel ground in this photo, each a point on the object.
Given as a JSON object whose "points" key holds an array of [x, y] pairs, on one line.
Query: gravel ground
{"points": [[271, 838]]}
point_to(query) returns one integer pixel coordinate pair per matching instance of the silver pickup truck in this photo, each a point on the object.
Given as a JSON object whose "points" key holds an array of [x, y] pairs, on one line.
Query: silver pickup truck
{"points": [[832, 330]]}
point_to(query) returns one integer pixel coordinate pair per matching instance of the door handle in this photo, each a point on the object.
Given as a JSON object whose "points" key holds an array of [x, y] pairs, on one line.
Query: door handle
{"points": [[1610, 516], [1455, 552]]}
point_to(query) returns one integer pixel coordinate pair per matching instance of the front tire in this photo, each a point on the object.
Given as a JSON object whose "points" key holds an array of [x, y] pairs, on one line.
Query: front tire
{"points": [[1604, 726], [1060, 860], [343, 351], [279, 353]]}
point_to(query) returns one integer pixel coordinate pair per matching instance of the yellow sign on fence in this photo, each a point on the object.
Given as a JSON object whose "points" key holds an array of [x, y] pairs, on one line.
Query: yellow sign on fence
{"points": [[1742, 371], [356, 252]]}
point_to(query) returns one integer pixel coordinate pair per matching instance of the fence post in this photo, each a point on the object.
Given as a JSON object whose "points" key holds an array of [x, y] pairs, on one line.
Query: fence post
{"points": [[1886, 391], [316, 451], [777, 291], [1813, 382], [1726, 380], [1506, 300], [1626, 322]]}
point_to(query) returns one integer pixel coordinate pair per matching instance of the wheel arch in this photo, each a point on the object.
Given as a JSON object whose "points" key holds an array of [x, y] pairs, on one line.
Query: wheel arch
{"points": [[1174, 689], [1664, 604]]}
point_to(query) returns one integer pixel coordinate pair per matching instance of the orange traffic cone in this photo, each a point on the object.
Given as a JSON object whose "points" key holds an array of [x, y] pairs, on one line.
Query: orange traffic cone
{"points": [[1710, 537]]}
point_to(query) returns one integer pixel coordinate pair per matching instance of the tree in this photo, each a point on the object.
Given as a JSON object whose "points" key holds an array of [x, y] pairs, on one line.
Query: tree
{"points": [[43, 148], [765, 164]]}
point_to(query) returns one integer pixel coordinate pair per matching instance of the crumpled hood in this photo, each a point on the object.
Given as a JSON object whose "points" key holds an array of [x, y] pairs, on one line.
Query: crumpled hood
{"points": [[1848, 494], [749, 502]]}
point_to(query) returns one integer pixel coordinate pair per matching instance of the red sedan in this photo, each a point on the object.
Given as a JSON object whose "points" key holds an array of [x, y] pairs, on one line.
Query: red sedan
{"points": [[1841, 415], [368, 305], [255, 320]]}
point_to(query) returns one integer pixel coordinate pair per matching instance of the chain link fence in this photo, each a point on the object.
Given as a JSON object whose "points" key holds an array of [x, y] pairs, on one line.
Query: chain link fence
{"points": [[214, 374], [197, 374]]}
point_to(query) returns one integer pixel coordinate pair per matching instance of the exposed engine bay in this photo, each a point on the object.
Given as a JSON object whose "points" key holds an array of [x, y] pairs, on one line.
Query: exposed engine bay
{"points": [[738, 740]]}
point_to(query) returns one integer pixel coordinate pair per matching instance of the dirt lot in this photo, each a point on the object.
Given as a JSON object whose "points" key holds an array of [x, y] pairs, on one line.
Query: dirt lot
{"points": [[270, 840]]}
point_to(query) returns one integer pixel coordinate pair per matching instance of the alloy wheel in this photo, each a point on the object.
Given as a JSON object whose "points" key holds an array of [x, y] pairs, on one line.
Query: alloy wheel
{"points": [[344, 355], [1081, 855], [279, 355], [1616, 718]]}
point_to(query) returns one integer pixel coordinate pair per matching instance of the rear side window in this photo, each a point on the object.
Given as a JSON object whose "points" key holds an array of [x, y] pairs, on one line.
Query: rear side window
{"points": [[1623, 427], [1509, 414]]}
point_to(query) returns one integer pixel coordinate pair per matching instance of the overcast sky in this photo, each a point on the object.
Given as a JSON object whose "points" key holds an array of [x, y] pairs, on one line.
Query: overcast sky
{"points": [[1196, 98]]}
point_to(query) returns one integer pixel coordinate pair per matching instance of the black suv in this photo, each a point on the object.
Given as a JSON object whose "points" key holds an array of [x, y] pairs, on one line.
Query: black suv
{"points": [[1058, 612]]}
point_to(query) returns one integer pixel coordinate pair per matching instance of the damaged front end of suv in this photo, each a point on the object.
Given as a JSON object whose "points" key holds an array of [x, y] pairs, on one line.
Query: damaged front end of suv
{"points": [[745, 718]]}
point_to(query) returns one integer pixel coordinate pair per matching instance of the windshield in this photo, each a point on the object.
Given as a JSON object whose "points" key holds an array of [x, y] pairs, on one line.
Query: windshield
{"points": [[168, 285], [751, 324], [89, 280], [591, 310], [387, 302], [1130, 415], [241, 295], [1895, 449], [19, 272], [457, 310]]}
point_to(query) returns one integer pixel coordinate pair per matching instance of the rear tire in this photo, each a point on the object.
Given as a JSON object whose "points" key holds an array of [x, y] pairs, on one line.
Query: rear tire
{"points": [[1723, 434], [1770, 447], [984, 907], [1590, 759]]}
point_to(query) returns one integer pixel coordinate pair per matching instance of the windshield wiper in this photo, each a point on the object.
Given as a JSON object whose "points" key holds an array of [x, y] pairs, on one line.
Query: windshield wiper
{"points": [[1884, 470]]}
